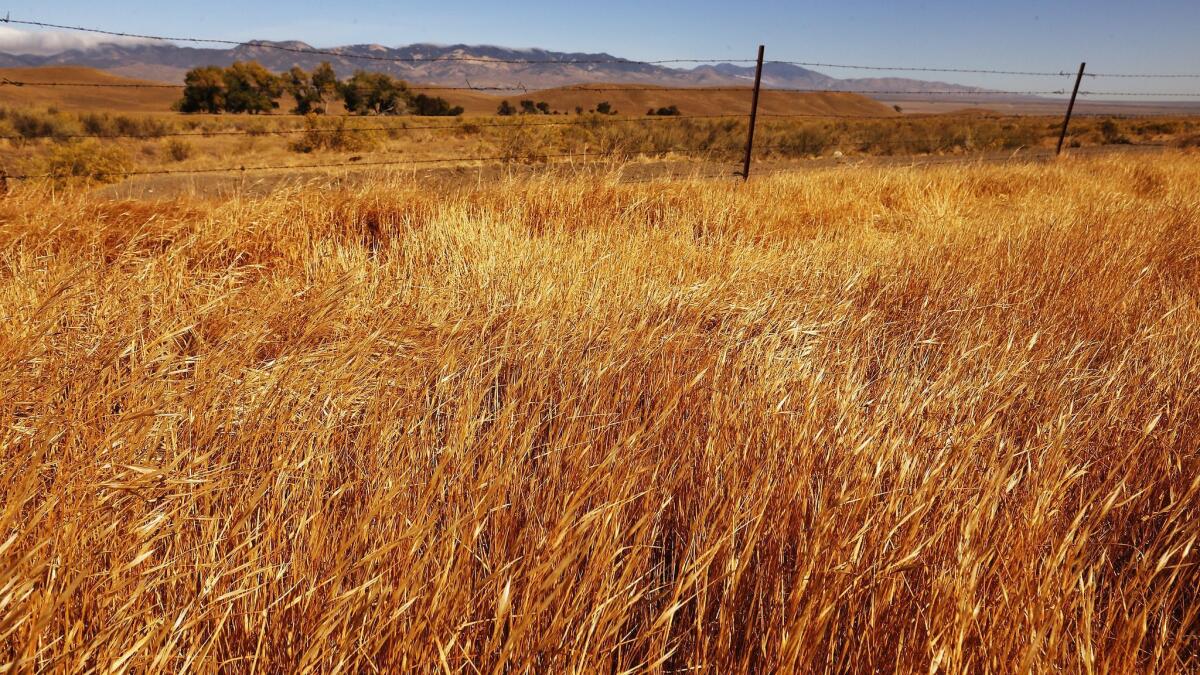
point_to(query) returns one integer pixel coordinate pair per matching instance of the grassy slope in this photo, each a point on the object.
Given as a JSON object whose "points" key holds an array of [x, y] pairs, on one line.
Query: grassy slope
{"points": [[859, 420], [476, 103], [84, 99], [690, 102]]}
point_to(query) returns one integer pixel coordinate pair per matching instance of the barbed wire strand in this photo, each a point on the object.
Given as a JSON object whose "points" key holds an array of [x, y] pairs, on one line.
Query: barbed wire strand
{"points": [[984, 71], [926, 159], [919, 69], [894, 143], [585, 88], [466, 127], [967, 91], [1154, 94], [1146, 75], [328, 165], [470, 127]]}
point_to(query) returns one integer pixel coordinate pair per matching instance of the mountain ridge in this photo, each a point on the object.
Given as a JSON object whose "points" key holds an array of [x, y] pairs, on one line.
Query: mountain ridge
{"points": [[484, 66]]}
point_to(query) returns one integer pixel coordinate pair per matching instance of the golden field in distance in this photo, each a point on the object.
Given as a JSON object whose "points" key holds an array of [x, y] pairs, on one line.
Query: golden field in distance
{"points": [[695, 101], [848, 420], [144, 151]]}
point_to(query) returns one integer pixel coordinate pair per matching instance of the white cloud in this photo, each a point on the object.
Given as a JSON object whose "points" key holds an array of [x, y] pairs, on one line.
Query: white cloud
{"points": [[45, 43]]}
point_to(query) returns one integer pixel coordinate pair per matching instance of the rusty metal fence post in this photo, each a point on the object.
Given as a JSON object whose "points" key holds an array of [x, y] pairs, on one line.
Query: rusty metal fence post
{"points": [[1062, 136], [753, 113]]}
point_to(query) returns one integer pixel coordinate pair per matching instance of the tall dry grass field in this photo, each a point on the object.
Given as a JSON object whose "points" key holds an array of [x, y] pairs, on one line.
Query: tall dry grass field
{"points": [[856, 420]]}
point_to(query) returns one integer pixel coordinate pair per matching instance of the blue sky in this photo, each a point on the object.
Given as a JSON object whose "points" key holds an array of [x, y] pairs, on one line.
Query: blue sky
{"points": [[1129, 36]]}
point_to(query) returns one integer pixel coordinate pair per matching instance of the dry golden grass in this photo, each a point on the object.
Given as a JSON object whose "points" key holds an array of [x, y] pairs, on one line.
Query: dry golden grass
{"points": [[43, 142], [853, 421]]}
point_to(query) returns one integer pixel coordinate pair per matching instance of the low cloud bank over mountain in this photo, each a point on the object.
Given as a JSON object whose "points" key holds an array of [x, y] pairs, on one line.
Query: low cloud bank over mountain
{"points": [[47, 43]]}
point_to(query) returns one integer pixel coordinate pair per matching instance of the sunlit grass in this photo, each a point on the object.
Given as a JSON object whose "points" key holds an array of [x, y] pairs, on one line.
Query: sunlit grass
{"points": [[855, 420]]}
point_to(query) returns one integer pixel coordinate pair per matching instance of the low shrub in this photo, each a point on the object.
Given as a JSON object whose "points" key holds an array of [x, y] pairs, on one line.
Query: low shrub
{"points": [[50, 124], [434, 106], [97, 124], [179, 149], [1192, 141], [807, 140], [257, 127], [1149, 128], [519, 144], [148, 127], [332, 134], [1111, 133], [103, 124], [7, 131], [86, 160]]}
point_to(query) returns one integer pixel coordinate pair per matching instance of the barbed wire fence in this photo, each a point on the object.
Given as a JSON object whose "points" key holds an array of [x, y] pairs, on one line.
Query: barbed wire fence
{"points": [[751, 116]]}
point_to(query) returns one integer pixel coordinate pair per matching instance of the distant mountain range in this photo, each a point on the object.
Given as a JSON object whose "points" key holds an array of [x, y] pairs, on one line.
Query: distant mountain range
{"points": [[493, 67]]}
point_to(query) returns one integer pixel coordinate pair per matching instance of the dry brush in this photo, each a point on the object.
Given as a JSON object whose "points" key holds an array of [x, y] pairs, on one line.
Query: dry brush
{"points": [[853, 420]]}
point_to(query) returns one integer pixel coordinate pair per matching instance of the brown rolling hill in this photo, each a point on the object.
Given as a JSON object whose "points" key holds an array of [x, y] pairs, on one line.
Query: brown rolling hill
{"points": [[690, 101], [84, 98]]}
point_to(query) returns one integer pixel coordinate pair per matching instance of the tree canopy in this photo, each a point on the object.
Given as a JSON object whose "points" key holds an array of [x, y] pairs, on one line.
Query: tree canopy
{"points": [[312, 91], [368, 93], [248, 87], [203, 90], [434, 106]]}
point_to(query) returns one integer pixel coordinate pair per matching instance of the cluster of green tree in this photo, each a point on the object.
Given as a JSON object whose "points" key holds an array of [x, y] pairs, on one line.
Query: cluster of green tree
{"points": [[247, 87], [669, 111], [528, 107], [240, 88]]}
